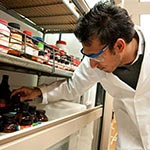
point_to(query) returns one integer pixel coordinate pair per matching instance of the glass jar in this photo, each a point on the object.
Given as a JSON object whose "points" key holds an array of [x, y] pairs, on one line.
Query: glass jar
{"points": [[32, 111], [10, 124], [15, 103], [41, 115], [24, 118], [61, 44]]}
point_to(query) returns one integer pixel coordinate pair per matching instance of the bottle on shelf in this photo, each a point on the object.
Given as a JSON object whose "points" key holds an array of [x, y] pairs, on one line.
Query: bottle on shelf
{"points": [[9, 123], [38, 41], [4, 95], [41, 115], [24, 118], [61, 44], [15, 103], [32, 111]]}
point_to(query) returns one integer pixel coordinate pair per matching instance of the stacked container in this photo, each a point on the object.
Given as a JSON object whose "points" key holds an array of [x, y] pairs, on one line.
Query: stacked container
{"points": [[15, 42], [4, 36]]}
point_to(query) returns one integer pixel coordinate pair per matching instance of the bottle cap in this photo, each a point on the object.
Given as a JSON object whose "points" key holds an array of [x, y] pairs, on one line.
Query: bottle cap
{"points": [[14, 25], [4, 21], [27, 32], [61, 42]]}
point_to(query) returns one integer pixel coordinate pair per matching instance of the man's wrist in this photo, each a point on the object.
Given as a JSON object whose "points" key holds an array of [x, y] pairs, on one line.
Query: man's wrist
{"points": [[38, 91]]}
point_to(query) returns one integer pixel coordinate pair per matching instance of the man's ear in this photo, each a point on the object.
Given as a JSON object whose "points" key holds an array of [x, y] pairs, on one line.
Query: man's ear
{"points": [[119, 45]]}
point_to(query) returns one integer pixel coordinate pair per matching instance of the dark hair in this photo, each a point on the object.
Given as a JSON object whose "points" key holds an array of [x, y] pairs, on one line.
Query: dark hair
{"points": [[108, 22]]}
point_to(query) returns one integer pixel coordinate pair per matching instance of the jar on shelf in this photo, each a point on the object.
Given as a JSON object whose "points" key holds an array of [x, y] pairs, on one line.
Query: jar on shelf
{"points": [[4, 36], [24, 118], [62, 58], [41, 115], [30, 49], [68, 63], [15, 103], [15, 42], [38, 41], [47, 53], [32, 111], [73, 63], [9, 123], [58, 63], [61, 44], [52, 51]]}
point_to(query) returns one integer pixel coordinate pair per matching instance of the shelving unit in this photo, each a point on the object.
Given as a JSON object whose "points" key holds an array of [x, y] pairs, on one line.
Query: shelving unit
{"points": [[46, 16], [13, 63]]}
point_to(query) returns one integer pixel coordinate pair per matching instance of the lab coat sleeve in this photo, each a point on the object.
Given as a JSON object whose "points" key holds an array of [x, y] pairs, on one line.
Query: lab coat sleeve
{"points": [[83, 78]]}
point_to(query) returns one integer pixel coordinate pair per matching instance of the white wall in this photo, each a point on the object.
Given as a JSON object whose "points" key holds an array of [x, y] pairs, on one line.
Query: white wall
{"points": [[73, 45]]}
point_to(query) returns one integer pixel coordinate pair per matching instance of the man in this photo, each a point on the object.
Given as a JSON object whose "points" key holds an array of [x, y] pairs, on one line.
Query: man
{"points": [[116, 56]]}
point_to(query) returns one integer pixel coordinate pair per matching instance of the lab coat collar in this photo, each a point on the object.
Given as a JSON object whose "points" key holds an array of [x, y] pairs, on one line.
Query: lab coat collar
{"points": [[145, 71]]}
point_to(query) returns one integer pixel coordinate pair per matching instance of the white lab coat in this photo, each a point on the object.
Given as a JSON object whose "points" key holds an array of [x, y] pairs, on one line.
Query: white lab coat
{"points": [[131, 106]]}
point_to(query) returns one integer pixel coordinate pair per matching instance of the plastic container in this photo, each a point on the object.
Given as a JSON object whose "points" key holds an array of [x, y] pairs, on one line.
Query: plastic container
{"points": [[61, 44], [40, 43], [15, 42], [4, 36], [30, 49]]}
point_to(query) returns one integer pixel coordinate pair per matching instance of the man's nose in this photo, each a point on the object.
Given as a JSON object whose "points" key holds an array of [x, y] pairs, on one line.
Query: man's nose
{"points": [[93, 63]]}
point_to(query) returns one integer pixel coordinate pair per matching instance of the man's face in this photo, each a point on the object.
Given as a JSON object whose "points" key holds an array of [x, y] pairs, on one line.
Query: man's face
{"points": [[107, 61]]}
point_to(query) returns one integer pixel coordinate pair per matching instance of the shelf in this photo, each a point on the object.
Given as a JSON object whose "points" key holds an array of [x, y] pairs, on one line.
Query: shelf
{"points": [[44, 15], [17, 64], [34, 135]]}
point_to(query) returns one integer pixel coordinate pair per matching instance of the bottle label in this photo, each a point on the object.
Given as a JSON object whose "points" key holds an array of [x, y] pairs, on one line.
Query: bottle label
{"points": [[24, 127], [3, 105], [4, 37]]}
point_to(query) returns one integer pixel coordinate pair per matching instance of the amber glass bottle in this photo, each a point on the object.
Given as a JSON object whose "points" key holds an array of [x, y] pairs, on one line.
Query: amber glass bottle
{"points": [[24, 118], [32, 111], [41, 115], [4, 95], [15, 103], [10, 124]]}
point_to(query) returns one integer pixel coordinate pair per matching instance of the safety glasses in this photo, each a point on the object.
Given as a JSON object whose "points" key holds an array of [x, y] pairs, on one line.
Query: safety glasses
{"points": [[97, 54]]}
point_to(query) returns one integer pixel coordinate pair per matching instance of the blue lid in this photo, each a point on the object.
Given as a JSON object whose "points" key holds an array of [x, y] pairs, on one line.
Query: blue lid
{"points": [[38, 38]]}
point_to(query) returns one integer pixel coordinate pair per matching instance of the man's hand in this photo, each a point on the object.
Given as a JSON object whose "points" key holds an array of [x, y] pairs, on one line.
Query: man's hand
{"points": [[26, 93]]}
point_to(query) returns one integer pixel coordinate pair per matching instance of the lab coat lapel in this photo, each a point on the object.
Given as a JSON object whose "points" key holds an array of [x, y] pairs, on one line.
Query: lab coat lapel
{"points": [[144, 74], [119, 83], [142, 101]]}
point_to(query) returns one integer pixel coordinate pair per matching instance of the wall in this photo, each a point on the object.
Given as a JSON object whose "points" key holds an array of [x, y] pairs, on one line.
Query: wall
{"points": [[73, 45]]}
